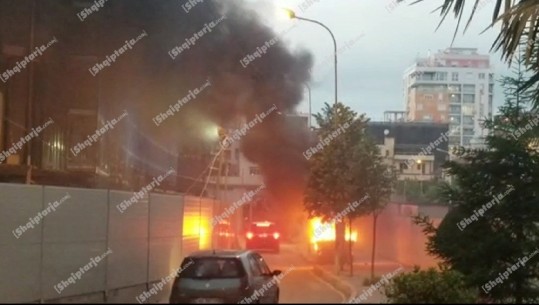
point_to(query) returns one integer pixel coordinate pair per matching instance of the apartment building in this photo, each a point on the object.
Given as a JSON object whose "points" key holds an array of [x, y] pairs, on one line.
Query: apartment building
{"points": [[453, 86]]}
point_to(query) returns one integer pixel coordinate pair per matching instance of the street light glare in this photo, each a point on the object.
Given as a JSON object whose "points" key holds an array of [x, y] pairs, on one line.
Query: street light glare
{"points": [[288, 13], [212, 132]]}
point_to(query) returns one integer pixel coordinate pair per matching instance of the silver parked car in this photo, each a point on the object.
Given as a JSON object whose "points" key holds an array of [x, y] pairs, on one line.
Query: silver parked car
{"points": [[225, 276]]}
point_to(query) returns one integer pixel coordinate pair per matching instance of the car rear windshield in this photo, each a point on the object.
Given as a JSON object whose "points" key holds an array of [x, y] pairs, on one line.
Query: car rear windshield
{"points": [[211, 267], [263, 229]]}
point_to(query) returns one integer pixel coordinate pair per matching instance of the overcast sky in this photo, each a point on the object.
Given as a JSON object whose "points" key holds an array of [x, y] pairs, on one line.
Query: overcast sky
{"points": [[388, 37]]}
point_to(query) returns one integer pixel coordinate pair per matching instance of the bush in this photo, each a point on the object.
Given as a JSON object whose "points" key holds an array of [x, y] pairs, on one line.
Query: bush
{"points": [[429, 286]]}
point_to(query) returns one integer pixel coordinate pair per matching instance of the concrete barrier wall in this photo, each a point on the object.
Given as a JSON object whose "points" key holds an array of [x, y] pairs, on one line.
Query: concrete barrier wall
{"points": [[118, 253], [166, 220], [72, 235], [20, 258], [398, 239], [129, 240]]}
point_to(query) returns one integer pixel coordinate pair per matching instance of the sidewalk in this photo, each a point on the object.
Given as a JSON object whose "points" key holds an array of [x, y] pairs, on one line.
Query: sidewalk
{"points": [[352, 286], [361, 272]]}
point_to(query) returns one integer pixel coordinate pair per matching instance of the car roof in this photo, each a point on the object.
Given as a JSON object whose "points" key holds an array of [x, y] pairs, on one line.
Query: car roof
{"points": [[220, 253]]}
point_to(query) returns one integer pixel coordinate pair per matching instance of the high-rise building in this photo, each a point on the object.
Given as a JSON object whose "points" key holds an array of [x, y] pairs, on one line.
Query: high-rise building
{"points": [[453, 86]]}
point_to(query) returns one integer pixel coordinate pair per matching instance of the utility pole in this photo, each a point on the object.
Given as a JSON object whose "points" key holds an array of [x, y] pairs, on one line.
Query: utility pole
{"points": [[29, 108]]}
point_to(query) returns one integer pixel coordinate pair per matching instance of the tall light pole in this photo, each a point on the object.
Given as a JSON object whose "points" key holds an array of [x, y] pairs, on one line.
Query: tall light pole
{"points": [[310, 109], [292, 15]]}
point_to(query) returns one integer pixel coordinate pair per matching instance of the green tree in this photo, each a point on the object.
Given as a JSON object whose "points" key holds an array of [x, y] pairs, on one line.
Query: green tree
{"points": [[347, 169], [376, 179], [329, 189], [492, 223], [429, 286]]}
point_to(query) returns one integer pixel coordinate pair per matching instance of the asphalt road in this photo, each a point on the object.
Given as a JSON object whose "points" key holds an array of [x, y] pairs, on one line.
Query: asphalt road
{"points": [[299, 284]]}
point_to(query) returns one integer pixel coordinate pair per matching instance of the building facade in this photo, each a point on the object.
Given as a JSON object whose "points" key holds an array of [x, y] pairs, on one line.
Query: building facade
{"points": [[453, 86], [58, 86], [416, 150]]}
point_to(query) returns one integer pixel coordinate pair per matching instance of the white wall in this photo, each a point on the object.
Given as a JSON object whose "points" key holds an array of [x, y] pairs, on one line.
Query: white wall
{"points": [[145, 242]]}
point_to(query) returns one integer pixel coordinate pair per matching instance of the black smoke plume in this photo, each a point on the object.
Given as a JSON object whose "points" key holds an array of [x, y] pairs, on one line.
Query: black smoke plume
{"points": [[146, 80]]}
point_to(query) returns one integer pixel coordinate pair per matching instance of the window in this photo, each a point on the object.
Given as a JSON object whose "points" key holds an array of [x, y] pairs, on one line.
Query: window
{"points": [[468, 131], [419, 166], [262, 229], [442, 107], [427, 75], [481, 75], [454, 109], [468, 89], [211, 268], [490, 88], [237, 154], [428, 97], [455, 119], [254, 170], [468, 119], [454, 88], [468, 109], [254, 266], [491, 77], [455, 99], [427, 117], [423, 168], [431, 88], [262, 264], [441, 76], [468, 98], [469, 76], [455, 76]]}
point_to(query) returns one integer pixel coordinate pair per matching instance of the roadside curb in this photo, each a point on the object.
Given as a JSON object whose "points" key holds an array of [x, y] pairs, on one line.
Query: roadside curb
{"points": [[340, 285], [334, 281]]}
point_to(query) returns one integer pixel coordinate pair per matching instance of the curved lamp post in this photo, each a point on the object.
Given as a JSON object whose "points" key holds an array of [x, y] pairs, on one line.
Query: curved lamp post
{"points": [[292, 15]]}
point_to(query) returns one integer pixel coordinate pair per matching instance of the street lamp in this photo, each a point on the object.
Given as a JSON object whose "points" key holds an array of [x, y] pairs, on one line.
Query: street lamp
{"points": [[292, 15]]}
